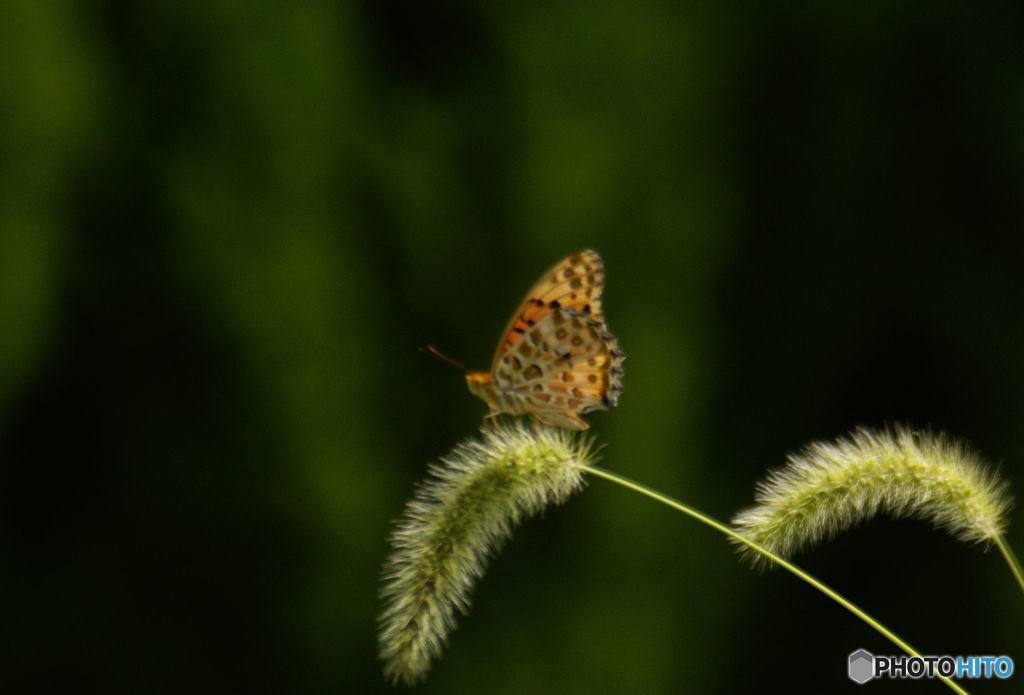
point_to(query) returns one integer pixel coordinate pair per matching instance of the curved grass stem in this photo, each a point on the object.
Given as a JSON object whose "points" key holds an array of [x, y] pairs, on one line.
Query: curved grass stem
{"points": [[785, 564], [1011, 560]]}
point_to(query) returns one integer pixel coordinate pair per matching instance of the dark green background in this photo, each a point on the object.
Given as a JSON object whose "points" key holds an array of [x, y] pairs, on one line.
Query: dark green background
{"points": [[226, 227]]}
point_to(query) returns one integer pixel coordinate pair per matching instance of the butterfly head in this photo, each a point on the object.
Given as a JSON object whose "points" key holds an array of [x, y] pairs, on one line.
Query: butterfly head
{"points": [[481, 385]]}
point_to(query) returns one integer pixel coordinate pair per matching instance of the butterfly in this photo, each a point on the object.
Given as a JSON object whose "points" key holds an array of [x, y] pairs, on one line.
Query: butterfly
{"points": [[556, 359]]}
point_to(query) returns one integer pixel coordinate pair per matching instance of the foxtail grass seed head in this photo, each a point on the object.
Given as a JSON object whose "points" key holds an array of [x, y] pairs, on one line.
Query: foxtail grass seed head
{"points": [[831, 486], [456, 520]]}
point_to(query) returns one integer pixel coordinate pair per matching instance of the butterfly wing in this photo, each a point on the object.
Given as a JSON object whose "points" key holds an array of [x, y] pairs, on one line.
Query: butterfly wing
{"points": [[565, 365], [575, 283]]}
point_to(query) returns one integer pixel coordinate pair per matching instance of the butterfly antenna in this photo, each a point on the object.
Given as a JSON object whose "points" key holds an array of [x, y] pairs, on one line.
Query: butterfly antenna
{"points": [[438, 355]]}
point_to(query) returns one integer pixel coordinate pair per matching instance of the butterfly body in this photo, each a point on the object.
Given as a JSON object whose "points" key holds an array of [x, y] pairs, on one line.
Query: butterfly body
{"points": [[556, 359]]}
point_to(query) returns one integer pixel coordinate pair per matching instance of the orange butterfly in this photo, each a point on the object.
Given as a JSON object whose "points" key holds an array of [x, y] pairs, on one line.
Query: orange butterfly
{"points": [[556, 359]]}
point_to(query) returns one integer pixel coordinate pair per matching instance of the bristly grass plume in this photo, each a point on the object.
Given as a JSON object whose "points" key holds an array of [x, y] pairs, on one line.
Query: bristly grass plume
{"points": [[830, 486], [456, 520]]}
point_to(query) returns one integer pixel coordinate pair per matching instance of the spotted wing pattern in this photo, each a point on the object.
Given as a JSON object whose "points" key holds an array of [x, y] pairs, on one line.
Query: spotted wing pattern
{"points": [[566, 364], [575, 283]]}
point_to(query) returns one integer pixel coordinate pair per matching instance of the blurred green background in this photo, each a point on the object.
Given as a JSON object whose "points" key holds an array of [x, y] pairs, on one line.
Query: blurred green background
{"points": [[226, 227]]}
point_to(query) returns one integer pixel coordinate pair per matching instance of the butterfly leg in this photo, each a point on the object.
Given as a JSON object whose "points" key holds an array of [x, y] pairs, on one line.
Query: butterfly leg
{"points": [[492, 418], [567, 420], [577, 422]]}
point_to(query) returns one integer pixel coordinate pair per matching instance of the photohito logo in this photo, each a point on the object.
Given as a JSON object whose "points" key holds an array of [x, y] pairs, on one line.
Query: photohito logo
{"points": [[863, 666]]}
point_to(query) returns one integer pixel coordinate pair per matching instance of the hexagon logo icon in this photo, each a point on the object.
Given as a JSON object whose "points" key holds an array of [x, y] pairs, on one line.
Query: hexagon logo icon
{"points": [[861, 666]]}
